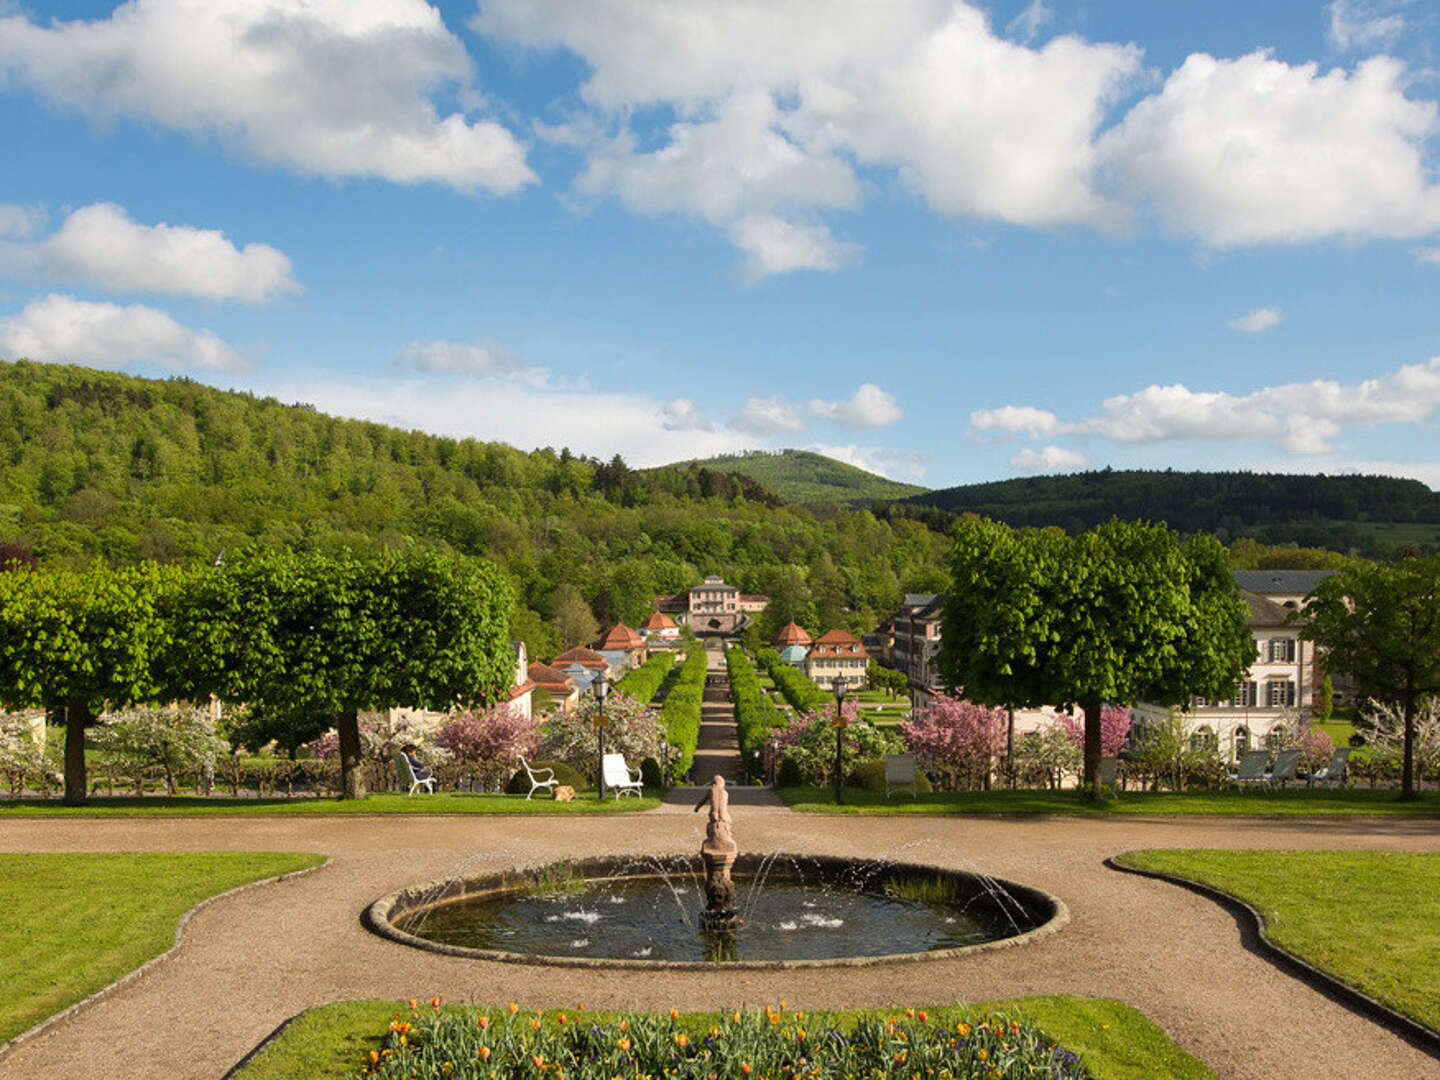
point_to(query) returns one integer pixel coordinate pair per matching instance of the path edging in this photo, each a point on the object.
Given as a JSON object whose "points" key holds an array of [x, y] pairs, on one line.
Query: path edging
{"points": [[134, 974], [1317, 979]]}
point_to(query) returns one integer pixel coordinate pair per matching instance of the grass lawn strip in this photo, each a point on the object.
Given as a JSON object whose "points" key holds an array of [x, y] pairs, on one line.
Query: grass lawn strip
{"points": [[387, 803], [1289, 802], [1371, 919], [77, 922], [1114, 1041]]}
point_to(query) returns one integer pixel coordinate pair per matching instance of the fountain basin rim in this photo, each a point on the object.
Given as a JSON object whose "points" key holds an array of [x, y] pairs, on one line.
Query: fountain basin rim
{"points": [[379, 918]]}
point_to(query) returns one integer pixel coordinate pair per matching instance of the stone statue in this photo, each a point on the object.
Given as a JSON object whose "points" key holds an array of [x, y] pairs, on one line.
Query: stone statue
{"points": [[718, 853]]}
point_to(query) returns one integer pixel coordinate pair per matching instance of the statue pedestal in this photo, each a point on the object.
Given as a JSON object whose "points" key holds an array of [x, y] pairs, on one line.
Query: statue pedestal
{"points": [[719, 916]]}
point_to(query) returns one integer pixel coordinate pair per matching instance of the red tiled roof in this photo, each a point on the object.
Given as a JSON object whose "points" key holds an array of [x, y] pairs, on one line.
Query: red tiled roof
{"points": [[553, 681], [582, 656], [836, 643], [620, 636], [837, 637], [523, 688], [792, 634], [658, 621]]}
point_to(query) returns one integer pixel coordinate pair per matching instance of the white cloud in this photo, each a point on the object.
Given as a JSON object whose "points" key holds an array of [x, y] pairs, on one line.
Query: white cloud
{"points": [[1257, 151], [779, 103], [1428, 257], [1029, 22], [868, 407], [19, 221], [61, 329], [1362, 26], [598, 423], [683, 415], [99, 245], [325, 87], [768, 416], [480, 358], [1049, 459], [1258, 320], [904, 465], [1302, 417], [1012, 420]]}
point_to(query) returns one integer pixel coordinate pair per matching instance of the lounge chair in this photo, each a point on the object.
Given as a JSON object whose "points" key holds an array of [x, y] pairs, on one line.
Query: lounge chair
{"points": [[416, 782], [540, 779], [620, 778], [1287, 764], [1251, 769], [1333, 773], [900, 773]]}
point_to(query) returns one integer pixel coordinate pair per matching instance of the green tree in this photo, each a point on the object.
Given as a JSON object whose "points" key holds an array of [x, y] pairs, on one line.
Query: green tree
{"points": [[1382, 625], [1122, 613], [75, 641], [307, 635], [572, 617]]}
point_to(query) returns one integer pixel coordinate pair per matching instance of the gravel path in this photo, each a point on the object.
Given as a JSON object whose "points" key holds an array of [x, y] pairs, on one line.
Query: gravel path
{"points": [[250, 962]]}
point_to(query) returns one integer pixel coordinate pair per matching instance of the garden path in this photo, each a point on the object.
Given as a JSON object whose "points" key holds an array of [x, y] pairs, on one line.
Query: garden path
{"points": [[251, 961], [718, 750]]}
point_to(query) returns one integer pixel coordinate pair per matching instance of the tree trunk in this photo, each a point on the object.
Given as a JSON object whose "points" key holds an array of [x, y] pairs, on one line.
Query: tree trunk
{"points": [[352, 774], [1092, 750], [1407, 771], [77, 716]]}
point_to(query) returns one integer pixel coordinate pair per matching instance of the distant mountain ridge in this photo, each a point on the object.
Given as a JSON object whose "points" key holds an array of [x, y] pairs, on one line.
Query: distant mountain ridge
{"points": [[803, 476]]}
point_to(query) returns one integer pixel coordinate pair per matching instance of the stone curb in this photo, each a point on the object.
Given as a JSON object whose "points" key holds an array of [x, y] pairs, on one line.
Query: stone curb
{"points": [[377, 919], [1254, 937], [131, 976]]}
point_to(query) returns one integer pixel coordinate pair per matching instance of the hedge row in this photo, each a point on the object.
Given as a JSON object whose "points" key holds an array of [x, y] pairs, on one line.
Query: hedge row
{"points": [[642, 683], [755, 713], [800, 692], [681, 711]]}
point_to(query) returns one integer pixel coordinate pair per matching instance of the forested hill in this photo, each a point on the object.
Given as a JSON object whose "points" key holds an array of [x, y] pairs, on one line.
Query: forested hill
{"points": [[1325, 511], [802, 476], [98, 464]]}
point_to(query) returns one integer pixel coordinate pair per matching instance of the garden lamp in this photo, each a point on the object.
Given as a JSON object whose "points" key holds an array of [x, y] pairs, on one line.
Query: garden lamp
{"points": [[601, 685], [839, 725]]}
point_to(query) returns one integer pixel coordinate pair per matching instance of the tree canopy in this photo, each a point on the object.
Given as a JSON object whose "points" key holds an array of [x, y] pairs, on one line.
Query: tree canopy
{"points": [[1381, 625]]}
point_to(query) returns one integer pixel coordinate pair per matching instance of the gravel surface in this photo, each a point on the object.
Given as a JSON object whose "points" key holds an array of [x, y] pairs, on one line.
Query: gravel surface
{"points": [[250, 962]]}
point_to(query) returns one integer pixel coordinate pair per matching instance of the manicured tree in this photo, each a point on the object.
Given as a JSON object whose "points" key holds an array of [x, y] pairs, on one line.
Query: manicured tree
{"points": [[308, 635], [75, 640], [1121, 613], [1381, 624]]}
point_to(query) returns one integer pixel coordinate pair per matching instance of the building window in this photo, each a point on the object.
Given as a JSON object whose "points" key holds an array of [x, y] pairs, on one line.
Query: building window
{"points": [[1282, 692], [1204, 740], [1282, 650], [1242, 740], [1276, 737]]}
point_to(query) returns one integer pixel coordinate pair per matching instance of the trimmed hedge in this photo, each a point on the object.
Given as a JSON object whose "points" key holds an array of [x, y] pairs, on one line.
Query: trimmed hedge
{"points": [[800, 692], [564, 774], [755, 713], [871, 777], [681, 712], [642, 682]]}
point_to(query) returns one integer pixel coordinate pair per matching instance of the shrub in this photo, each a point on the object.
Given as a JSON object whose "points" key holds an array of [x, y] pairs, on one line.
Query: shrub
{"points": [[800, 692], [651, 775], [755, 714], [630, 729], [809, 740], [681, 711], [871, 776], [1316, 747], [642, 682], [487, 745], [789, 774], [520, 783], [175, 739], [1114, 727], [956, 739]]}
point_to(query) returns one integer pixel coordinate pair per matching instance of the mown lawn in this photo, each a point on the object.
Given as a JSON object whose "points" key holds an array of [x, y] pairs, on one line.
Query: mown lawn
{"points": [[1302, 802], [76, 922], [1115, 1041], [386, 803], [1370, 918]]}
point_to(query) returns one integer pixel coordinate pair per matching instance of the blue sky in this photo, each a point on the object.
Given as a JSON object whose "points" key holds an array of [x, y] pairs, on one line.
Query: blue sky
{"points": [[943, 241]]}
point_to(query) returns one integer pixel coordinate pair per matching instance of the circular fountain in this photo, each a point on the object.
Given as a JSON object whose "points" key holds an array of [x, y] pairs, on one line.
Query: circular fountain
{"points": [[650, 911], [774, 910]]}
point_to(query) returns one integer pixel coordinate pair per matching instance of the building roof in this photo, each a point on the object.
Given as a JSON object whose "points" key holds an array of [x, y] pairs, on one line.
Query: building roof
{"points": [[580, 655], [1280, 582], [713, 583], [658, 620], [552, 680], [837, 643], [521, 689], [920, 599], [1263, 611], [619, 636], [791, 634], [793, 654]]}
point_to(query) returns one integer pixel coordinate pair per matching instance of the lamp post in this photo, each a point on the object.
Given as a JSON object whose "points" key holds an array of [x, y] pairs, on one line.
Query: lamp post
{"points": [[839, 725], [601, 686]]}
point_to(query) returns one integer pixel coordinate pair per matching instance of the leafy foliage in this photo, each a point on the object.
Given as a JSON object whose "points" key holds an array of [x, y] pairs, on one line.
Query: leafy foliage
{"points": [[794, 686], [808, 741], [641, 683], [956, 740], [681, 711], [175, 738], [490, 742], [630, 728], [1114, 727], [755, 714], [803, 476]]}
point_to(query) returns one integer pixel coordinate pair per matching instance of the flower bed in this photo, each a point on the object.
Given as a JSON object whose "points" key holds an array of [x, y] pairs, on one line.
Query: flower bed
{"points": [[464, 1044]]}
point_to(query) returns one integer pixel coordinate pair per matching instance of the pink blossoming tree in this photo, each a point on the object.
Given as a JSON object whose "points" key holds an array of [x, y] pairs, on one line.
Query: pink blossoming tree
{"points": [[490, 743], [956, 740]]}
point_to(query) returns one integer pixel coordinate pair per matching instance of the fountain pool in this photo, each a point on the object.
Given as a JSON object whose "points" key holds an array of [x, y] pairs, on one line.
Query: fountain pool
{"points": [[649, 911]]}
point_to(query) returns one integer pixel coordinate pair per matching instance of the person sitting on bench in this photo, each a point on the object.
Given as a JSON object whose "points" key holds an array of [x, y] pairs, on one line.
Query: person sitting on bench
{"points": [[421, 772]]}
